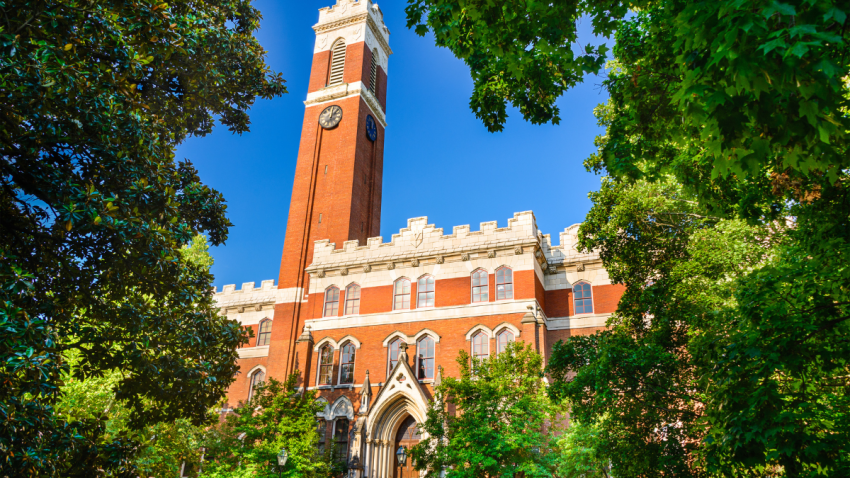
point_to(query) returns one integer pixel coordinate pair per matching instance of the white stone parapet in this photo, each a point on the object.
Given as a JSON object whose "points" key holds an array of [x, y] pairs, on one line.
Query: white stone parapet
{"points": [[355, 21], [421, 241]]}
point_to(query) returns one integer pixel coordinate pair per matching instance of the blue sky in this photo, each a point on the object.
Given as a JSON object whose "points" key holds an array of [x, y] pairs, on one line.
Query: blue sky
{"points": [[439, 160]]}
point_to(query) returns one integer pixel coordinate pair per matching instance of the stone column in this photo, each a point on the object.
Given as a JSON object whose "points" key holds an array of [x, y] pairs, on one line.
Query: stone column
{"points": [[304, 356], [529, 328]]}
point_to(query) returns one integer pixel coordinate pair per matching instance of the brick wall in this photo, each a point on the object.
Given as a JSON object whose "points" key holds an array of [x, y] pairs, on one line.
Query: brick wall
{"points": [[238, 391], [606, 297], [381, 88], [319, 71], [372, 355], [447, 292], [559, 303]]}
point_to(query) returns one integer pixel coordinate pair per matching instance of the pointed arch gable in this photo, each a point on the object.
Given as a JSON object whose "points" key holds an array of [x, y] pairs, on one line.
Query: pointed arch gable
{"points": [[428, 332], [327, 340], [506, 325], [479, 328], [326, 408], [401, 395], [398, 335], [349, 338], [255, 368], [342, 407]]}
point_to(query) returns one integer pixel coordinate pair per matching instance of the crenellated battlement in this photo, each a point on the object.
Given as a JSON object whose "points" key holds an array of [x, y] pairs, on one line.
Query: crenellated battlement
{"points": [[423, 241], [566, 252], [249, 296]]}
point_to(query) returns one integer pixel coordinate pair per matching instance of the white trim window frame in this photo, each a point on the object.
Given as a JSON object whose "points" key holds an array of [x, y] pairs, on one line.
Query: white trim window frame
{"points": [[326, 366], [347, 355], [480, 286], [425, 358]]}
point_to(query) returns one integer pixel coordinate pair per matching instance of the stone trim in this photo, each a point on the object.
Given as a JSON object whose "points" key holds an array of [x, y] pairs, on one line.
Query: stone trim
{"points": [[253, 352], [480, 309], [347, 90], [582, 321]]}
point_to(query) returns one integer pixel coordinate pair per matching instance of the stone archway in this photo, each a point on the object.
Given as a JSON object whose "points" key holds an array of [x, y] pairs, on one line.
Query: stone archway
{"points": [[390, 422], [407, 436], [399, 401]]}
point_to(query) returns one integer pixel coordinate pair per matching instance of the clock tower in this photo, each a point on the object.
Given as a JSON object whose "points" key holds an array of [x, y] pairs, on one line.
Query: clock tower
{"points": [[336, 194]]}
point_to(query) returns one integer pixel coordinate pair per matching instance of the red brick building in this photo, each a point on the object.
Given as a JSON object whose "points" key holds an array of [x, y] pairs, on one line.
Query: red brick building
{"points": [[369, 323]]}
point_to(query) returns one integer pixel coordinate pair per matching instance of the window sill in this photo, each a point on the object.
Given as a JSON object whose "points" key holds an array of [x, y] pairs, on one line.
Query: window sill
{"points": [[324, 387], [427, 380], [349, 386]]}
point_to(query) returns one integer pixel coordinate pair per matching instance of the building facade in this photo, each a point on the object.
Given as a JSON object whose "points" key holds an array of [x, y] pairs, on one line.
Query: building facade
{"points": [[372, 324]]}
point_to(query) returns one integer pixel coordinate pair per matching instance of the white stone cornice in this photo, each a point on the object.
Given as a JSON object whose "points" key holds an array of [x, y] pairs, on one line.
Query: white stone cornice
{"points": [[253, 352], [577, 321], [347, 90]]}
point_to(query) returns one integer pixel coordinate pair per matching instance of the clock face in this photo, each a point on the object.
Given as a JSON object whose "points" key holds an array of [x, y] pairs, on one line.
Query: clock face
{"points": [[371, 128], [330, 117]]}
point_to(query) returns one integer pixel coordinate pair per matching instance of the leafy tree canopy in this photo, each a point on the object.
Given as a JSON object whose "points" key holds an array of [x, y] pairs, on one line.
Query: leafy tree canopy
{"points": [[278, 416], [725, 214], [579, 453], [759, 84], [728, 354], [491, 421], [94, 210]]}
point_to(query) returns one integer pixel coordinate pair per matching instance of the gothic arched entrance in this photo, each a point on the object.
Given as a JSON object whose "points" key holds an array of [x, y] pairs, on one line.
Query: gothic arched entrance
{"points": [[407, 436]]}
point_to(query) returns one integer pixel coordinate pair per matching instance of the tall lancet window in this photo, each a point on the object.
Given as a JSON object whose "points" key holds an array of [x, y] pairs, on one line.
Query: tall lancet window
{"points": [[373, 74], [337, 63]]}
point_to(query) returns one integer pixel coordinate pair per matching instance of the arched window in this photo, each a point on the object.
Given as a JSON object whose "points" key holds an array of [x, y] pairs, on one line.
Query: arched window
{"points": [[337, 63], [346, 364], [331, 302], [425, 292], [401, 294], [392, 354], [322, 428], [341, 439], [504, 283], [480, 288], [255, 379], [503, 339], [352, 299], [326, 365], [373, 73], [425, 358], [583, 298], [264, 332], [480, 346]]}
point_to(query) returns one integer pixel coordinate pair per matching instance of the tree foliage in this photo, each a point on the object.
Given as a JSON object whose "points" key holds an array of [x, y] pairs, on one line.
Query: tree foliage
{"points": [[579, 452], [491, 421], [278, 416], [725, 214], [518, 51], [159, 449], [728, 354], [94, 210], [758, 83]]}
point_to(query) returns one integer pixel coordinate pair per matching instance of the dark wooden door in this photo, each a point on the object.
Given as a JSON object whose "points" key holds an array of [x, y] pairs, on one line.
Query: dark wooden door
{"points": [[407, 436]]}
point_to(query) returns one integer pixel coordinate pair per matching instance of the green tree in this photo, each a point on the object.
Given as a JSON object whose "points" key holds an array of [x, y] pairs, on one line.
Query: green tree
{"points": [[94, 210], [726, 138], [760, 82], [719, 360], [490, 421], [278, 416], [578, 453], [161, 448]]}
